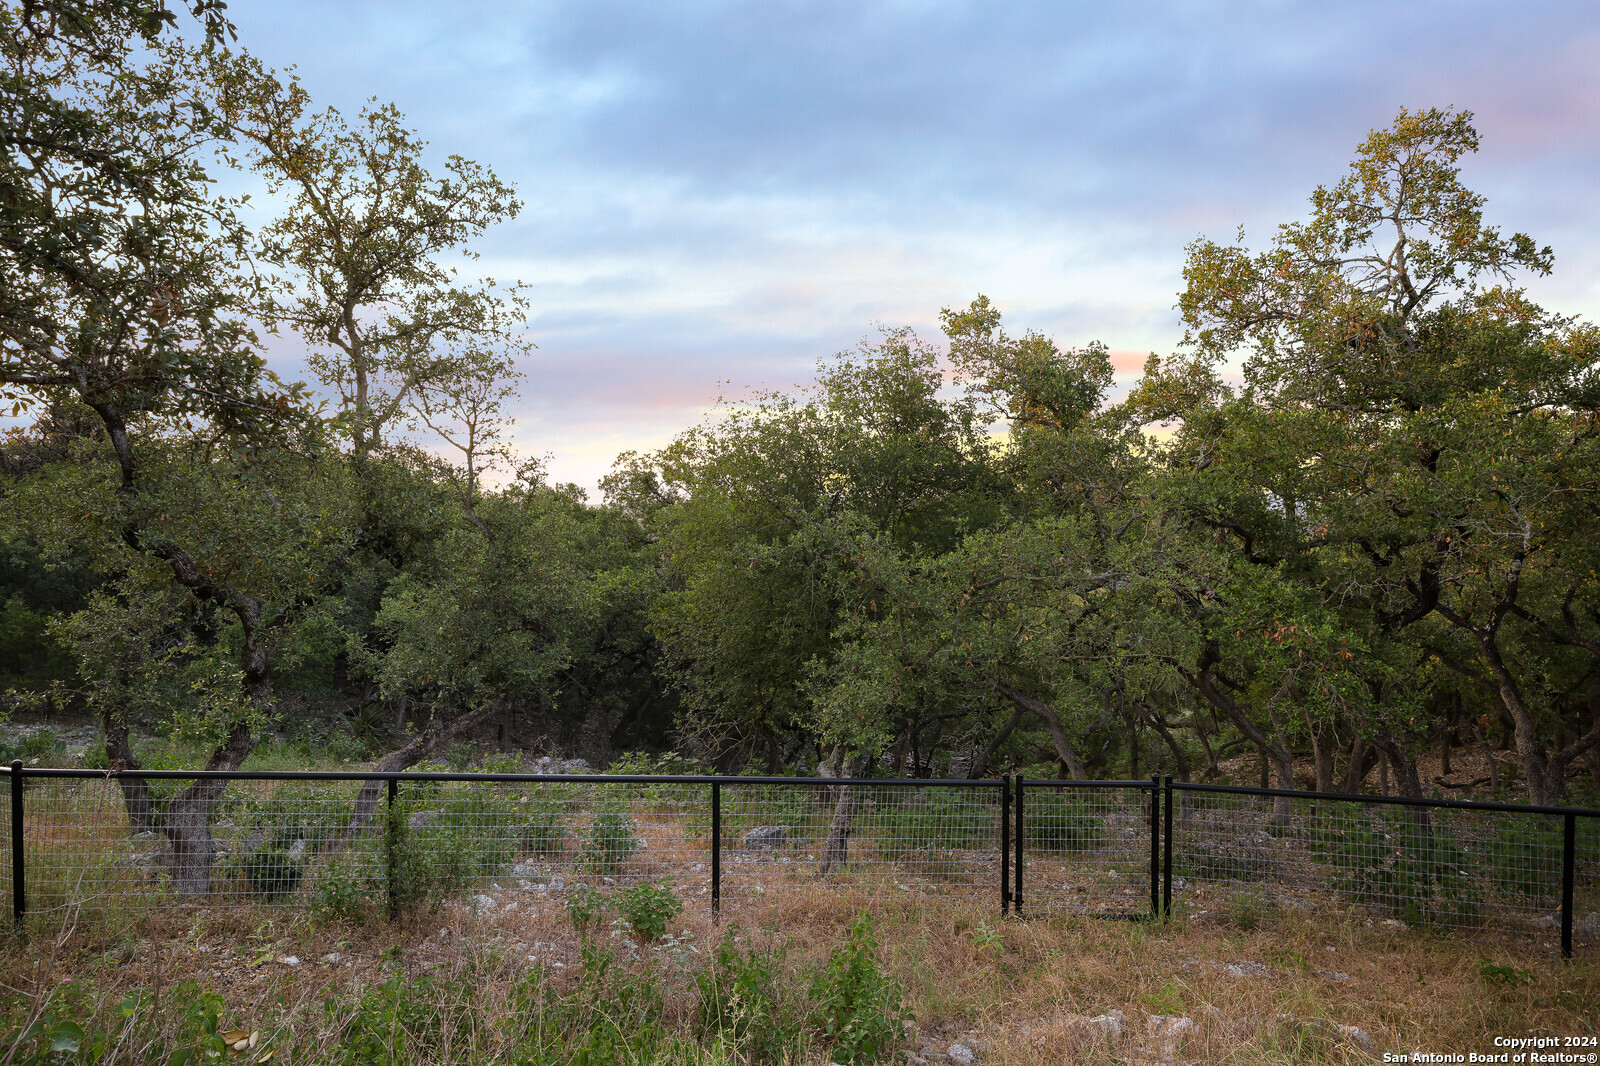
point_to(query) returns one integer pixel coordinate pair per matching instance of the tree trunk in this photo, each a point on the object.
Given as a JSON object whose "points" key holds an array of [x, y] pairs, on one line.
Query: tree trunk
{"points": [[187, 825], [1542, 790], [423, 745], [1322, 755], [1280, 756], [1058, 735], [1362, 760], [980, 762], [135, 790], [1408, 782], [836, 847], [1179, 759]]}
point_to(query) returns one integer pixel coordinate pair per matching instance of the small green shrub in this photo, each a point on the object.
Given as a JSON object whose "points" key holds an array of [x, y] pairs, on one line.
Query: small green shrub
{"points": [[272, 874], [544, 827], [1250, 909], [858, 1010], [744, 1000], [584, 906], [648, 908], [609, 839], [1497, 976], [345, 893], [936, 820]]}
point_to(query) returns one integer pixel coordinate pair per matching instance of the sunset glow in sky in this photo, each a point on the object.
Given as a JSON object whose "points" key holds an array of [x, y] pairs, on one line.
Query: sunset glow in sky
{"points": [[726, 192]]}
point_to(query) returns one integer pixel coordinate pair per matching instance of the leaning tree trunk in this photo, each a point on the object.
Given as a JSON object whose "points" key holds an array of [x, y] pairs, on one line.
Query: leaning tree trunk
{"points": [[188, 822], [135, 790], [1322, 754], [1408, 781], [187, 825], [420, 747], [1274, 751], [1058, 734]]}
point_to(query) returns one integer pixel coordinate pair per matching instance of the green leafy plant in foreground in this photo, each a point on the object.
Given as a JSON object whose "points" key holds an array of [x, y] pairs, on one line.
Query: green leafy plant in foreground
{"points": [[858, 1010], [745, 1001], [648, 908]]}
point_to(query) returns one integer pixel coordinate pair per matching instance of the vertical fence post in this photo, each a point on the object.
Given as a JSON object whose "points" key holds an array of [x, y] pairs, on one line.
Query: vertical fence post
{"points": [[1569, 847], [1021, 838], [1166, 848], [1155, 846], [19, 900], [391, 831], [1005, 845], [716, 851]]}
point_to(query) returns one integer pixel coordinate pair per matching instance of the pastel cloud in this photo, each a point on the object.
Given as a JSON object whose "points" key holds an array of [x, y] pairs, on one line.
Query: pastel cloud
{"points": [[724, 192]]}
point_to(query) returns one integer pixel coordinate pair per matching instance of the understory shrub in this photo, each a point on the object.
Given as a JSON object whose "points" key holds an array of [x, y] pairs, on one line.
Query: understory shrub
{"points": [[609, 840], [858, 1010], [746, 1000]]}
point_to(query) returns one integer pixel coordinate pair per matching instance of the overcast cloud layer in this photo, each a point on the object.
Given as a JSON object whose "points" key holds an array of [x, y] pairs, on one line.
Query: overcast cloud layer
{"points": [[725, 192]]}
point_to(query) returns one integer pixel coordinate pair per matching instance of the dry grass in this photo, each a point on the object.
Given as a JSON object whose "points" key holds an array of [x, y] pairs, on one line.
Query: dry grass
{"points": [[1019, 992]]}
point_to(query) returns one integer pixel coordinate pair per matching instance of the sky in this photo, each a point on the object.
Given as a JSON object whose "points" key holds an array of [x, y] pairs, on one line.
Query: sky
{"points": [[718, 195]]}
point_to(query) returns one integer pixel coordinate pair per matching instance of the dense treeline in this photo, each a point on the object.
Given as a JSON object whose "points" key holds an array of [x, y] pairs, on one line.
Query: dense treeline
{"points": [[1348, 523]]}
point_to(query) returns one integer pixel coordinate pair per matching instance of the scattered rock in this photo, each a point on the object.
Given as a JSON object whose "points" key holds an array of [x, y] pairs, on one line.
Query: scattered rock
{"points": [[297, 850], [1169, 1028], [961, 1053], [558, 883], [254, 841], [1357, 1036], [1394, 924], [421, 819], [289, 960], [912, 1058], [481, 904], [1107, 1025], [1333, 975], [332, 958], [766, 837], [1247, 969]]}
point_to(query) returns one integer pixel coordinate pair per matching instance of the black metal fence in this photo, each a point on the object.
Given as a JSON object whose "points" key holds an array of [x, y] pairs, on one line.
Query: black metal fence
{"points": [[361, 842]]}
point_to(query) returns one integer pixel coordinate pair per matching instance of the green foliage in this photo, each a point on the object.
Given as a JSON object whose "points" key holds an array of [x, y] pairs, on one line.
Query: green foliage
{"points": [[585, 905], [1063, 823], [1249, 908], [933, 820], [1497, 976], [648, 908], [347, 891], [1399, 866], [609, 839], [986, 937], [857, 1009], [1522, 858], [611, 1017], [272, 874], [746, 1000], [395, 1022]]}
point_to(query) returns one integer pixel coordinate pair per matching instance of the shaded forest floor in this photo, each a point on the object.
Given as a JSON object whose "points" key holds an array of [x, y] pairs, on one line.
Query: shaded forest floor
{"points": [[1007, 991]]}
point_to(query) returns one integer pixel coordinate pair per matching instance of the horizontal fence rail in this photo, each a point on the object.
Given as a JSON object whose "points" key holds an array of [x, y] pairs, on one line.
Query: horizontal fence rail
{"points": [[361, 843]]}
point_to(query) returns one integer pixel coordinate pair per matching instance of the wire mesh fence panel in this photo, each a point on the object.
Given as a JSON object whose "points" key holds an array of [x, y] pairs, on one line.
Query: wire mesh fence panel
{"points": [[877, 841], [356, 848], [1450, 870], [1086, 849]]}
